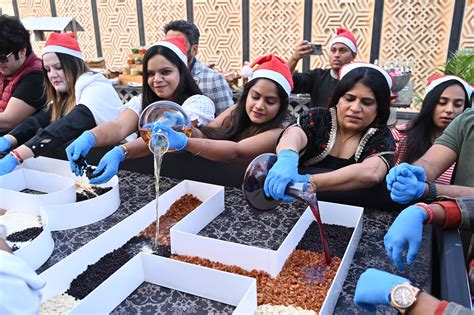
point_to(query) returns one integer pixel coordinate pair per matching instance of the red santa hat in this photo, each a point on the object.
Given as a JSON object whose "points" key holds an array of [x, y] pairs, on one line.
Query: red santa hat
{"points": [[64, 43], [345, 69], [345, 37], [270, 67], [437, 79], [177, 45]]}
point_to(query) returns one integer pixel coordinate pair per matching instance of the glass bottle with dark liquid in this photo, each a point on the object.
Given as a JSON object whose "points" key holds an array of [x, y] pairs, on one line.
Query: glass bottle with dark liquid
{"points": [[252, 187], [168, 113]]}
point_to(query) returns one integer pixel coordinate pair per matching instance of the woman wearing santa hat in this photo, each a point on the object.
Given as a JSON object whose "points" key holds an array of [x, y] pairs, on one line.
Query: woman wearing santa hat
{"points": [[250, 127], [350, 138], [79, 99], [167, 77], [446, 97]]}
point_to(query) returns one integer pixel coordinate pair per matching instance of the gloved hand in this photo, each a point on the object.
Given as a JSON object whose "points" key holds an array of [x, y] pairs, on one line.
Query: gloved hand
{"points": [[406, 183], [8, 164], [176, 140], [407, 229], [283, 172], [391, 177], [79, 148], [169, 119], [108, 166], [373, 288], [4, 144]]}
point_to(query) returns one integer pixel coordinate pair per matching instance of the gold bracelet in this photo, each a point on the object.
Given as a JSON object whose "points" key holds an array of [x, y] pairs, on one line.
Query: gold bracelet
{"points": [[200, 149], [125, 150]]}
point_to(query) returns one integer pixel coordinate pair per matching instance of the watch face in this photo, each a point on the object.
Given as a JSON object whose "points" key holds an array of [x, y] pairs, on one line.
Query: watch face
{"points": [[403, 297]]}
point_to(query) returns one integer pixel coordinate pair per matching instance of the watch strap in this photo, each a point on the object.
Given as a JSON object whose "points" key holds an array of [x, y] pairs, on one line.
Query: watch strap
{"points": [[432, 193]]}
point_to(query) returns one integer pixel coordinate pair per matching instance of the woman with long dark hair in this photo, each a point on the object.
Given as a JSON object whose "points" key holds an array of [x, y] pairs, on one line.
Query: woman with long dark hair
{"points": [[446, 97], [79, 99], [350, 138], [166, 77], [250, 127]]}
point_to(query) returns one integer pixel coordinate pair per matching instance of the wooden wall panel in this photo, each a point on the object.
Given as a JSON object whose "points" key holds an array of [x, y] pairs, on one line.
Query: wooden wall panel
{"points": [[157, 13], [220, 25], [82, 11], [417, 31], [467, 33], [275, 27], [118, 30], [355, 15]]}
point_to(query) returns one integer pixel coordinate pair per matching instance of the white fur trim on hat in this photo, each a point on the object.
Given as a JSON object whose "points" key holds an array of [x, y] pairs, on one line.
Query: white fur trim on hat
{"points": [[435, 83], [175, 49], [351, 66], [344, 40], [275, 76], [63, 50]]}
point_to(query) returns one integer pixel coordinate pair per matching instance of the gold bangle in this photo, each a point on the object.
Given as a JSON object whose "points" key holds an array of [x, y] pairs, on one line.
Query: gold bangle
{"points": [[125, 150], [200, 149]]}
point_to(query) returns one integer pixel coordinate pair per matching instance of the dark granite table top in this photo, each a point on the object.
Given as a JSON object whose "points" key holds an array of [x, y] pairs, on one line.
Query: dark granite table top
{"points": [[136, 190]]}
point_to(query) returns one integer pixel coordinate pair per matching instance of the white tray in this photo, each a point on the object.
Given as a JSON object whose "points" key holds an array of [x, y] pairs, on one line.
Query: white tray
{"points": [[228, 288], [186, 241], [59, 276]]}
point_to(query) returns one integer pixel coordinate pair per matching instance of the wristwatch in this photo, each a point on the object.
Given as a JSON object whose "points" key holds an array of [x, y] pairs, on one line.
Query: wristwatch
{"points": [[403, 296]]}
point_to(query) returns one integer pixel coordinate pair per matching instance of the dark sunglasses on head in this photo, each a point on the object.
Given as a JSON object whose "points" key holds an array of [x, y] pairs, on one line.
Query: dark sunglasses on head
{"points": [[4, 58]]}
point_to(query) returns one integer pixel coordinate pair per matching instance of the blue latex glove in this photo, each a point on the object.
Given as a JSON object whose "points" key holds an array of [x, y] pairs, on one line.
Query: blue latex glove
{"points": [[373, 288], [283, 172], [169, 119], [407, 188], [176, 140], [109, 164], [172, 119], [79, 148], [403, 168], [4, 144], [8, 164], [407, 229]]}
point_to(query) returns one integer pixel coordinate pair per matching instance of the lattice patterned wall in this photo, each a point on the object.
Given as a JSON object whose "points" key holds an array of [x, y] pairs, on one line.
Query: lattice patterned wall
{"points": [[220, 25], [7, 7], [275, 27], [467, 33], [356, 15], [418, 31], [118, 29], [157, 13], [29, 8], [82, 11]]}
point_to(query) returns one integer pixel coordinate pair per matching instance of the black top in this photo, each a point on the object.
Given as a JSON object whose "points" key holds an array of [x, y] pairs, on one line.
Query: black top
{"points": [[318, 83], [39, 134], [30, 90]]}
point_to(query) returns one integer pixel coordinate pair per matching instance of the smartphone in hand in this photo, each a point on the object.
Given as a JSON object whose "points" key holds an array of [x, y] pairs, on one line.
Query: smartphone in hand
{"points": [[316, 49]]}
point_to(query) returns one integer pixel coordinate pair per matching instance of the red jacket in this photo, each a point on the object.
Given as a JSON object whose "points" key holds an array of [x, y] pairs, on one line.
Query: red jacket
{"points": [[8, 84]]}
